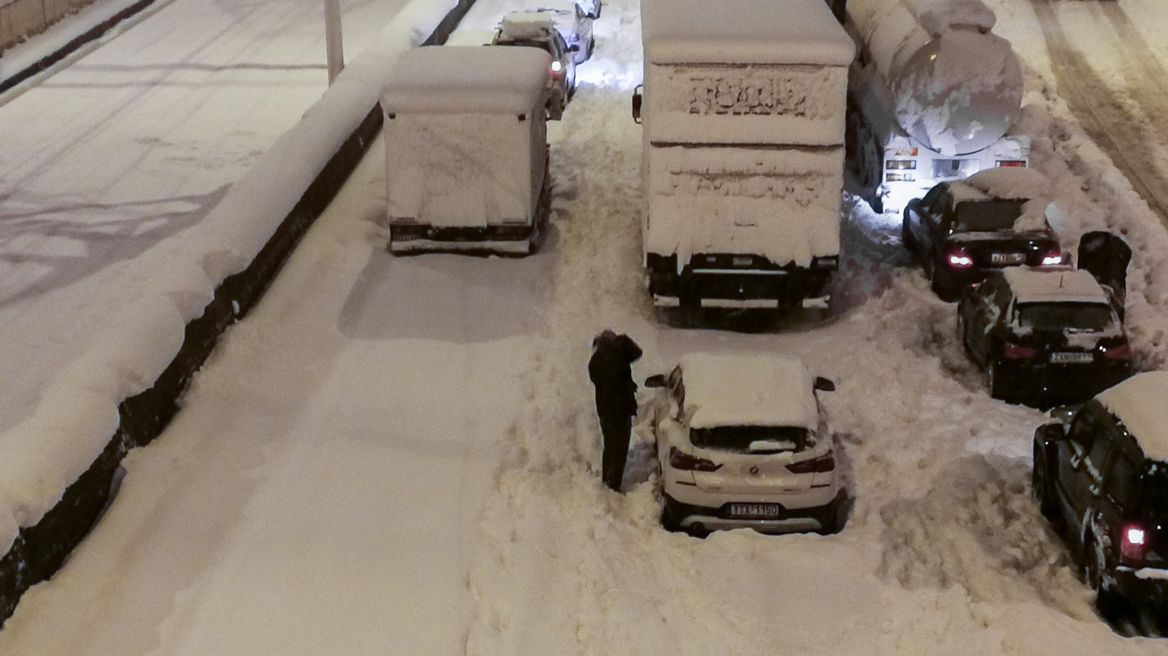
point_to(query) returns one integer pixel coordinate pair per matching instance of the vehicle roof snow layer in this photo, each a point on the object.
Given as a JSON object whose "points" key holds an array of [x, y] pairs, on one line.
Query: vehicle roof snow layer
{"points": [[743, 32], [467, 79], [748, 390], [1141, 403], [1054, 286]]}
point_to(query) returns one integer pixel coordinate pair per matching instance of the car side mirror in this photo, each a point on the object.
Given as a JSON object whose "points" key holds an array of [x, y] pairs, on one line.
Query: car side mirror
{"points": [[1052, 432], [824, 384], [638, 94], [656, 380], [1064, 414]]}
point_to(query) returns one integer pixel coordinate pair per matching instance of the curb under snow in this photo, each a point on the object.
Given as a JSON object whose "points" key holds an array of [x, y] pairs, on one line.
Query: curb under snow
{"points": [[57, 466]]}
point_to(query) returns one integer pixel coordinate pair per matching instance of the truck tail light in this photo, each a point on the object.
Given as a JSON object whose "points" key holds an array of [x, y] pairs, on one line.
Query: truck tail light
{"points": [[1053, 257], [958, 258], [1012, 163], [678, 459], [1132, 543], [824, 463], [1017, 352], [1119, 352]]}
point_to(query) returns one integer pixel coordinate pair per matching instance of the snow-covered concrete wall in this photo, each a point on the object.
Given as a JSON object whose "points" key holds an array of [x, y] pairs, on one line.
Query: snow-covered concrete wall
{"points": [[56, 466]]}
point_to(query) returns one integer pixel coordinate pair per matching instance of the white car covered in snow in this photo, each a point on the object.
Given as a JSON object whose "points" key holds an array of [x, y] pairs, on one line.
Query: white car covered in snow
{"points": [[571, 21], [743, 442]]}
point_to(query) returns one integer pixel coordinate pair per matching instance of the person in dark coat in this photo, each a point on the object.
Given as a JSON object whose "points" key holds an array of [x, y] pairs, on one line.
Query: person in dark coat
{"points": [[616, 399]]}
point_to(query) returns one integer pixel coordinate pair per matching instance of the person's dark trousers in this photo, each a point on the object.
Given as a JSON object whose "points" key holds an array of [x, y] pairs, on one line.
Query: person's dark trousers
{"points": [[615, 426]]}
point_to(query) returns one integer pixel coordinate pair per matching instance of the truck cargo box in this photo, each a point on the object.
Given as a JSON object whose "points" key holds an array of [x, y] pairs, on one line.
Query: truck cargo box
{"points": [[466, 149]]}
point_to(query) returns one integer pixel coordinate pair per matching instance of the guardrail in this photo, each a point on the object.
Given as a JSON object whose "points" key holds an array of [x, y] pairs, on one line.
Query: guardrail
{"points": [[39, 550]]}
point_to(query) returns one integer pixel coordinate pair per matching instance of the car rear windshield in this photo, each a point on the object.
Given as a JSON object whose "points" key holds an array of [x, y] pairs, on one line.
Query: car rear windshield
{"points": [[751, 439], [988, 215], [1063, 316]]}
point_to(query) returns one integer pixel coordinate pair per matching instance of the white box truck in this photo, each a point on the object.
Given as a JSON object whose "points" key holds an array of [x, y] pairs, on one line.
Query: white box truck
{"points": [[743, 109], [466, 149]]}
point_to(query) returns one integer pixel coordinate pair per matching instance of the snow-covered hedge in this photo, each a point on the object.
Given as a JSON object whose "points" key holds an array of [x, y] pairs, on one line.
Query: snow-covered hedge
{"points": [[75, 426]]}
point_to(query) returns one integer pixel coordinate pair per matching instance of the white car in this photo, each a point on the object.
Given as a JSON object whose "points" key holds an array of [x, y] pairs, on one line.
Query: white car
{"points": [[572, 22], [743, 442], [536, 30]]}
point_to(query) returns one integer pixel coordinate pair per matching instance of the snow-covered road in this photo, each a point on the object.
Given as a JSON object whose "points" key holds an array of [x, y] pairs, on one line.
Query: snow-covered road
{"points": [[131, 146], [400, 454]]}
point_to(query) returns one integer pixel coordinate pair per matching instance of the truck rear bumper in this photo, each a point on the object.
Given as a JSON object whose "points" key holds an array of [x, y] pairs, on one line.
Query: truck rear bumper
{"points": [[737, 288], [502, 239]]}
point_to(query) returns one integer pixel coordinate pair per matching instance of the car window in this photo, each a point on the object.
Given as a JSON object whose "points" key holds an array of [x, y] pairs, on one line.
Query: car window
{"points": [[1101, 447], [1121, 480], [987, 215], [1059, 316], [930, 200], [1084, 426], [746, 439]]}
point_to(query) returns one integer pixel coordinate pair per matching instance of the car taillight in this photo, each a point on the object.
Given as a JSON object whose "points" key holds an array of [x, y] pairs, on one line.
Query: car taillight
{"points": [[1014, 351], [1120, 352], [1053, 257], [678, 459], [959, 259], [1011, 163], [1131, 545], [824, 463]]}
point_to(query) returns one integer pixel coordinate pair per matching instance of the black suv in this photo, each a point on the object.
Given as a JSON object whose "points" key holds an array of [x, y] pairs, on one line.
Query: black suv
{"points": [[960, 232], [1101, 477], [1044, 336]]}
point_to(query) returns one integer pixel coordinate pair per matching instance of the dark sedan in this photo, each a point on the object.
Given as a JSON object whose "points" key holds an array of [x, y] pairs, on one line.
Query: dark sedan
{"points": [[960, 231], [1044, 336]]}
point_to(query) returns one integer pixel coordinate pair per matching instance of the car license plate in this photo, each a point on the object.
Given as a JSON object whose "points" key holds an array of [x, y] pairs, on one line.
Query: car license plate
{"points": [[1072, 358], [756, 510], [743, 261], [1008, 258]]}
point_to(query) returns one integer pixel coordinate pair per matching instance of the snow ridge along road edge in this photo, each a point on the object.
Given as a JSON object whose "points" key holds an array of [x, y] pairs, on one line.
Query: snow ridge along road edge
{"points": [[38, 550]]}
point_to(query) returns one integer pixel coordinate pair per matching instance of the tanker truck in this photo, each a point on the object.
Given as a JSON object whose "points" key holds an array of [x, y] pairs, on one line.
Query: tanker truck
{"points": [[743, 108], [933, 95]]}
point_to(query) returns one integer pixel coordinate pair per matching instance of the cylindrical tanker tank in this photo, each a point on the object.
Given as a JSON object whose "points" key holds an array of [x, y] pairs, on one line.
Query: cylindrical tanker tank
{"points": [[955, 86]]}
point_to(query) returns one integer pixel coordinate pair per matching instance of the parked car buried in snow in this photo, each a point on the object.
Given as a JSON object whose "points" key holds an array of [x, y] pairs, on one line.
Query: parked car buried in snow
{"points": [[960, 231], [572, 22], [1044, 336], [1101, 477], [536, 30], [466, 150], [743, 442]]}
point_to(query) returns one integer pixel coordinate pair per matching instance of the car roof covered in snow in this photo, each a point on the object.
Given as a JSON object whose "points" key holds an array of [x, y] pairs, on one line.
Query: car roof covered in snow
{"points": [[527, 25], [1004, 183], [743, 32], [1054, 285], [467, 79], [1141, 403], [748, 390]]}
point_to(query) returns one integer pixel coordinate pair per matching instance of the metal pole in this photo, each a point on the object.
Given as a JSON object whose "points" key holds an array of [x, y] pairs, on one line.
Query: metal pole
{"points": [[332, 38]]}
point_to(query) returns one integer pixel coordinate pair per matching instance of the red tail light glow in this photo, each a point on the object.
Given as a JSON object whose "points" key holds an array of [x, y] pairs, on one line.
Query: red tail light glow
{"points": [[1016, 352], [1011, 163], [959, 259], [1121, 352], [824, 463], [1132, 545], [1052, 257], [678, 459]]}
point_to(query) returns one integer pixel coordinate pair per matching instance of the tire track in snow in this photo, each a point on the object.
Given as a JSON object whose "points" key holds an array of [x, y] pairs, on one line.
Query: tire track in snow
{"points": [[1109, 124]]}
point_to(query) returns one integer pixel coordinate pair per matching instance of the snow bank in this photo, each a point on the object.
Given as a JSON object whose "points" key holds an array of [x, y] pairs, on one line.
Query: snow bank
{"points": [[77, 412]]}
